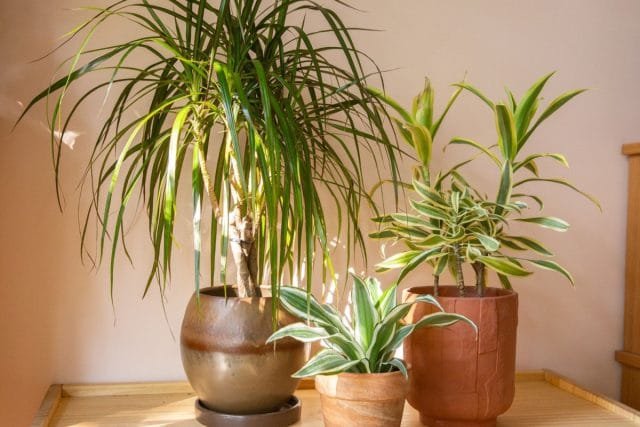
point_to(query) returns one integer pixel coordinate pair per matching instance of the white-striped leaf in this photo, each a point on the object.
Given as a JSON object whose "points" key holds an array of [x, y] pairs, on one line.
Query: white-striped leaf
{"points": [[385, 331], [431, 195], [422, 142], [382, 336], [326, 362], [411, 220], [387, 233], [295, 301], [417, 261], [429, 299], [401, 334], [412, 233], [430, 211], [489, 243], [374, 288], [550, 222], [529, 100], [472, 253], [476, 92], [506, 187], [365, 314], [441, 320], [532, 244], [441, 265], [455, 201], [398, 364], [553, 106], [397, 261], [300, 332], [348, 347], [555, 156], [506, 131], [387, 300], [563, 182], [485, 150], [504, 266], [505, 282], [553, 266], [431, 241]]}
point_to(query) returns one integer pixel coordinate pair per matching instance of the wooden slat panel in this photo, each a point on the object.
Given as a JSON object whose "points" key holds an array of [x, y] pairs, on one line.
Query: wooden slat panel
{"points": [[632, 269], [631, 360], [630, 390], [133, 389], [630, 386]]}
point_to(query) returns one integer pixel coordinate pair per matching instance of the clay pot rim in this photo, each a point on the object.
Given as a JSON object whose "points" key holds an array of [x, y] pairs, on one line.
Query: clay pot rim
{"points": [[361, 374], [507, 293], [363, 387]]}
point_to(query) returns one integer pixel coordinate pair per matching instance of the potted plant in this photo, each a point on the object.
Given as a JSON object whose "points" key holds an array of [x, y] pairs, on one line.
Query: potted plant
{"points": [[259, 115], [360, 380], [451, 223]]}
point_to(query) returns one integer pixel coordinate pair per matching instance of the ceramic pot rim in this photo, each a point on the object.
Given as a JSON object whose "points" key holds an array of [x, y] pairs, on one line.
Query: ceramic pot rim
{"points": [[423, 290]]}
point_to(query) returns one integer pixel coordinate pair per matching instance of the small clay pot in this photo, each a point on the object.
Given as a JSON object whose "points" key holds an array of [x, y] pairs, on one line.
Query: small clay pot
{"points": [[362, 400], [455, 378]]}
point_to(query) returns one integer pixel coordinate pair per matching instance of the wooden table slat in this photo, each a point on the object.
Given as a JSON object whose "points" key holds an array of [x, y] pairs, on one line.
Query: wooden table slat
{"points": [[542, 399]]}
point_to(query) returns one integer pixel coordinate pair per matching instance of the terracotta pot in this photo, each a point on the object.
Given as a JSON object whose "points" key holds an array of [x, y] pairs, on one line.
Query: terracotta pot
{"points": [[226, 359], [454, 378], [362, 400]]}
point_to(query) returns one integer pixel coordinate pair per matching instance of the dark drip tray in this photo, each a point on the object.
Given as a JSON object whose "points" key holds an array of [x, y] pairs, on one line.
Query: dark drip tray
{"points": [[288, 414]]}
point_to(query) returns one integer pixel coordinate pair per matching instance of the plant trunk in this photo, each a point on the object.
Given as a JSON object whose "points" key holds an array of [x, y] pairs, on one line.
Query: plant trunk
{"points": [[244, 250], [481, 277], [436, 285], [458, 269]]}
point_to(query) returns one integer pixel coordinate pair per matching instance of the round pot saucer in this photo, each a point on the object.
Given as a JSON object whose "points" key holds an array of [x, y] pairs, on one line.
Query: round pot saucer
{"points": [[286, 415]]}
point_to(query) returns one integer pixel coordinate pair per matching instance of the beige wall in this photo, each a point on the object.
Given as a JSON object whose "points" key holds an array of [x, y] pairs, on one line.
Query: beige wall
{"points": [[58, 324]]}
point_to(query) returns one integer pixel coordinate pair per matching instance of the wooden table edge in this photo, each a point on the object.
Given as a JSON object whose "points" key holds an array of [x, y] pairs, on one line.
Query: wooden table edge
{"points": [[59, 391], [611, 405], [48, 407]]}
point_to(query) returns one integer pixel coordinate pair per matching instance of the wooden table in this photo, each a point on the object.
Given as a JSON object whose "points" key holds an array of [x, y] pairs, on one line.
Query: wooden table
{"points": [[542, 399]]}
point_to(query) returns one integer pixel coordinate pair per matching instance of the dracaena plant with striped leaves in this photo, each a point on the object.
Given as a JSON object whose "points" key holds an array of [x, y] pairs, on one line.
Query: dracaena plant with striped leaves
{"points": [[365, 339], [242, 100], [452, 223]]}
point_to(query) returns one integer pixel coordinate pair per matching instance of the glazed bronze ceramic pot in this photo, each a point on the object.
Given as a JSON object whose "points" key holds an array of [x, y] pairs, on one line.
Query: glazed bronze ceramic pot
{"points": [[226, 359], [455, 379], [359, 400]]}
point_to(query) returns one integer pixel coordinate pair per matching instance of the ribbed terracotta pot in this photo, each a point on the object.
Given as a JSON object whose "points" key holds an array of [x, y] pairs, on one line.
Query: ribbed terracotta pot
{"points": [[362, 400], [226, 359], [455, 379]]}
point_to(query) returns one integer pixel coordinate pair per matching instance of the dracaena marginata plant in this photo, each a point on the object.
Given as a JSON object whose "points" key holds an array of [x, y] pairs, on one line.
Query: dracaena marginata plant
{"points": [[238, 97], [364, 340], [451, 222]]}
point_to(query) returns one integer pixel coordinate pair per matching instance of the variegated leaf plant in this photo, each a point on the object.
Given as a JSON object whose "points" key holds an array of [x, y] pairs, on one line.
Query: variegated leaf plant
{"points": [[365, 340], [451, 222]]}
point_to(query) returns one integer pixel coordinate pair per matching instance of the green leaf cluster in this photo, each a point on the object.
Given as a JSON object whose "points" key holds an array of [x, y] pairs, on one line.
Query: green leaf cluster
{"points": [[257, 112], [419, 126], [451, 223], [365, 340]]}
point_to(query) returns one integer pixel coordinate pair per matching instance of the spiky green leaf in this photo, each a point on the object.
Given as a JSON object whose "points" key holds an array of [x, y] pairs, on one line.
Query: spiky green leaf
{"points": [[503, 266]]}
